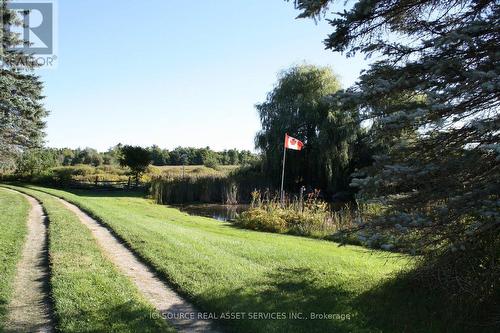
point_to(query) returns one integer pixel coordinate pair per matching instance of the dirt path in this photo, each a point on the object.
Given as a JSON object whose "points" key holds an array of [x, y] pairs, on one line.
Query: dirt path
{"points": [[173, 307], [29, 309]]}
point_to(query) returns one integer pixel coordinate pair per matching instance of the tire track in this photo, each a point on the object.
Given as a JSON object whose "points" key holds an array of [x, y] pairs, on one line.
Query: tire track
{"points": [[30, 309], [170, 305]]}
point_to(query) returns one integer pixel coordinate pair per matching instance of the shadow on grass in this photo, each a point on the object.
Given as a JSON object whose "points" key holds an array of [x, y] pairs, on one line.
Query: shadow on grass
{"points": [[3, 312], [396, 305], [104, 193], [403, 304], [285, 304], [100, 193], [125, 317]]}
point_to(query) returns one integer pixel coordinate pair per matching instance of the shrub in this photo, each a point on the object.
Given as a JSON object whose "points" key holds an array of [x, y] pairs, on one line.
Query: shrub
{"points": [[211, 162], [309, 217], [263, 220], [85, 173]]}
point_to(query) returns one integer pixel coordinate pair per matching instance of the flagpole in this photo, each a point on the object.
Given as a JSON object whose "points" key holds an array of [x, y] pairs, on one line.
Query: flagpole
{"points": [[283, 174]]}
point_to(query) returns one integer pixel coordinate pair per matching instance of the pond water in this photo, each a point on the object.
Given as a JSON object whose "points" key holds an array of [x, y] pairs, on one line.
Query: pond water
{"points": [[215, 211]]}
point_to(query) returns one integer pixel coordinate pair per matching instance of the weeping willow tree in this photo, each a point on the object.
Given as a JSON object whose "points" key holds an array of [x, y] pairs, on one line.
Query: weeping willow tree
{"points": [[21, 108], [298, 105], [441, 186]]}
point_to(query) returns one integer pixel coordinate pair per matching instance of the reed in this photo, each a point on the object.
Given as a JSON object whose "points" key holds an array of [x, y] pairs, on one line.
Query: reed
{"points": [[231, 187], [305, 216]]}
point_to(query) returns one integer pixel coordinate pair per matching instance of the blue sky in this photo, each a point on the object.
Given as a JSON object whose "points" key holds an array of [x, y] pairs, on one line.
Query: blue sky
{"points": [[174, 73]]}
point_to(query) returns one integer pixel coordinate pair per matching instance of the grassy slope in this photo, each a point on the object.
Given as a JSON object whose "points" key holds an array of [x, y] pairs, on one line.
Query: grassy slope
{"points": [[89, 294], [223, 268], [14, 210]]}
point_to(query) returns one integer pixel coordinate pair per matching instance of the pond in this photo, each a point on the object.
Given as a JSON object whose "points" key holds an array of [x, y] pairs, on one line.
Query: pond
{"points": [[219, 212]]}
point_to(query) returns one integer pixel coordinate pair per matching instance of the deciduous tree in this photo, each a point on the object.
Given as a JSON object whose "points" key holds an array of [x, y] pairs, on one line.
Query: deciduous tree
{"points": [[136, 158], [298, 105]]}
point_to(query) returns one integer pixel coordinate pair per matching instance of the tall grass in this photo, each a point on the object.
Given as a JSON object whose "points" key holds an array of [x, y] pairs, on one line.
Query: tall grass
{"points": [[312, 217], [176, 190], [229, 187], [307, 216]]}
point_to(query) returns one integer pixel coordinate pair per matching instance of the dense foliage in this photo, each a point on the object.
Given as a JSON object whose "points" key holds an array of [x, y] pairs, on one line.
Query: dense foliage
{"points": [[136, 158], [36, 161], [44, 161], [298, 106], [437, 75], [21, 109], [159, 157], [201, 156]]}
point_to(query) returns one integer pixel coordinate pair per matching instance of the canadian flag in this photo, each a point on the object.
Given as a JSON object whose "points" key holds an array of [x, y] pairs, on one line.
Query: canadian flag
{"points": [[292, 143]]}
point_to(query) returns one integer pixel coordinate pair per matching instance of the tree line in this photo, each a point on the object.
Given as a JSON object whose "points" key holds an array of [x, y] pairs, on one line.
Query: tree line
{"points": [[34, 161], [200, 156]]}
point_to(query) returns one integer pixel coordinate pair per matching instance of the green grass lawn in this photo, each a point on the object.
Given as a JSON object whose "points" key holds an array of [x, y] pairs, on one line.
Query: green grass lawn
{"points": [[14, 210], [225, 269], [89, 294]]}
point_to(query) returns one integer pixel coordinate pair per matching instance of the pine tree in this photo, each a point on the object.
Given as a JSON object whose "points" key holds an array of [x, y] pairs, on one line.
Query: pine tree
{"points": [[21, 108], [433, 94]]}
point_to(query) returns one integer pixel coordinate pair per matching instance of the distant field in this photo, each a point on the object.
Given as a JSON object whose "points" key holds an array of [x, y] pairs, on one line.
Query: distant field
{"points": [[88, 173], [225, 269], [192, 169]]}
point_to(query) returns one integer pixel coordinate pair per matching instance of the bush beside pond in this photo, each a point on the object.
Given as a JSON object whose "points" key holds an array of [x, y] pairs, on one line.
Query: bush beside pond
{"points": [[308, 217]]}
